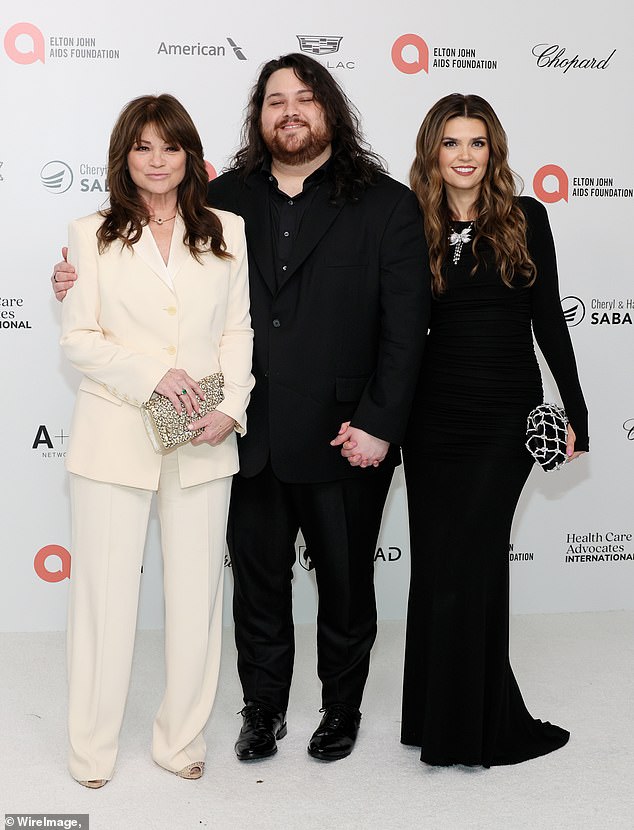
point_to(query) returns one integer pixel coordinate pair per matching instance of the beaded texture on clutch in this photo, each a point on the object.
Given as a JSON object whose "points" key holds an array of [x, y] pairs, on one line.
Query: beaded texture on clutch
{"points": [[167, 428], [546, 433]]}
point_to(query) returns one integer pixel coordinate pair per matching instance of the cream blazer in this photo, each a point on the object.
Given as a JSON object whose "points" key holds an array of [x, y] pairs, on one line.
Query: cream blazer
{"points": [[123, 327]]}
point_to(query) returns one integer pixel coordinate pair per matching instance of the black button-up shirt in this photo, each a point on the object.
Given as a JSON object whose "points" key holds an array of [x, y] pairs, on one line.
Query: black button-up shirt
{"points": [[288, 213]]}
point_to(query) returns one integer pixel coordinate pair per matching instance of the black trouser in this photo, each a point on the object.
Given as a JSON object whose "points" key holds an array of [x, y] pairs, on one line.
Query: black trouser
{"points": [[340, 522]]}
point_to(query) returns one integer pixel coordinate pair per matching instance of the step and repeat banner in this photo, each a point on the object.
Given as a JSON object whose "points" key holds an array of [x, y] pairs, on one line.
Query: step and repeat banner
{"points": [[557, 74]]}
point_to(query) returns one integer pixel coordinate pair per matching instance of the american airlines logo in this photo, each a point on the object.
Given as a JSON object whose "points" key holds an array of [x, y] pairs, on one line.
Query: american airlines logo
{"points": [[237, 50]]}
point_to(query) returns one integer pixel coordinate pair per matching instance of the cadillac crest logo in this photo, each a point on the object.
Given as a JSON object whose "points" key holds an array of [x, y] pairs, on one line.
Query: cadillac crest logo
{"points": [[319, 44]]}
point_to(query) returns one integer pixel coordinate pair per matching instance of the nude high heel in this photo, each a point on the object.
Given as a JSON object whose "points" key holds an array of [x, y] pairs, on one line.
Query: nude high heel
{"points": [[192, 771]]}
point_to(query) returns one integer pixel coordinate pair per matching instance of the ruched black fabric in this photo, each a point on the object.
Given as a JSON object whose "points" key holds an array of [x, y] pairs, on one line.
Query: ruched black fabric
{"points": [[465, 467]]}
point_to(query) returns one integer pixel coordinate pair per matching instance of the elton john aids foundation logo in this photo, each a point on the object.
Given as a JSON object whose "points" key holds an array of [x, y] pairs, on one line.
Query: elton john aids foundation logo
{"points": [[24, 43], [52, 563], [410, 54], [550, 184]]}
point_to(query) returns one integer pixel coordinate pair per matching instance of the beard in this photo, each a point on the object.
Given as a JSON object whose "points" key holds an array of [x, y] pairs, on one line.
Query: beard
{"points": [[294, 149]]}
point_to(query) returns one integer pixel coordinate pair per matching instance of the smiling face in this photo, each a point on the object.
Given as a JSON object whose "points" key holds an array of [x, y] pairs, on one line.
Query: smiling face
{"points": [[464, 155], [156, 166], [293, 124]]}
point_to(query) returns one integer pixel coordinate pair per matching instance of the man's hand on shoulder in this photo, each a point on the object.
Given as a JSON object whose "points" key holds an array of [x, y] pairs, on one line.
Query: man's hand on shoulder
{"points": [[63, 277]]}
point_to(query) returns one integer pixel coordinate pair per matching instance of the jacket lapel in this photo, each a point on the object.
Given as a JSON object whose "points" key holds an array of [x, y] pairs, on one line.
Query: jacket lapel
{"points": [[179, 252], [147, 250], [256, 213]]}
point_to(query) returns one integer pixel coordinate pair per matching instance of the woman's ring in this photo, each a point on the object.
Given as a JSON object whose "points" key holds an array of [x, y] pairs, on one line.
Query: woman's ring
{"points": [[183, 391], [54, 277]]}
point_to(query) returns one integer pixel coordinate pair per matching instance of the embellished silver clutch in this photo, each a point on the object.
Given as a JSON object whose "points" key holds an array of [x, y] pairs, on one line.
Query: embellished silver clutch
{"points": [[167, 428]]}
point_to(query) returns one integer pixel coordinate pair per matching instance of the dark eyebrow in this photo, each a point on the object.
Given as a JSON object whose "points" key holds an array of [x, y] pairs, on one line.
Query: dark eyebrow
{"points": [[475, 138]]}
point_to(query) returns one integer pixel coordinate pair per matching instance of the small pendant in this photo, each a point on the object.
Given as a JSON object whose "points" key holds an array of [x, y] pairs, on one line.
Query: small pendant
{"points": [[159, 221]]}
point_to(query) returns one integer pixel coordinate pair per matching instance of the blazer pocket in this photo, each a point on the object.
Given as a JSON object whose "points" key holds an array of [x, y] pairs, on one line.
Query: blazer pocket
{"points": [[350, 389], [94, 388]]}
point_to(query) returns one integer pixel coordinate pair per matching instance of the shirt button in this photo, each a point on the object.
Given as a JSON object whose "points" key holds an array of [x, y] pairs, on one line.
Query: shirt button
{"points": [[284, 267], [286, 233], [276, 323], [291, 202], [171, 349], [171, 310]]}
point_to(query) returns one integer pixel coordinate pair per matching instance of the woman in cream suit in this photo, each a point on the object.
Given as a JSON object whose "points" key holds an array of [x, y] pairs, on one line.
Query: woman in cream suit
{"points": [[162, 302]]}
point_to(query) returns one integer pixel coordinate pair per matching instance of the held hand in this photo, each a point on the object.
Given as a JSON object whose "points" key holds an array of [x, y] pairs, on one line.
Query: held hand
{"points": [[570, 445], [216, 425], [177, 385], [359, 447], [63, 277]]}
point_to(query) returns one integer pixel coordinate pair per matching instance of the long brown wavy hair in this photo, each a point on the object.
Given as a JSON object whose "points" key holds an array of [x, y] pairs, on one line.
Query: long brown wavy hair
{"points": [[354, 166], [128, 214], [500, 220]]}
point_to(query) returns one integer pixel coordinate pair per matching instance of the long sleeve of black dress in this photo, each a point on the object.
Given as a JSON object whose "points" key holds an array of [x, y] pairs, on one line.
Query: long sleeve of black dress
{"points": [[549, 324]]}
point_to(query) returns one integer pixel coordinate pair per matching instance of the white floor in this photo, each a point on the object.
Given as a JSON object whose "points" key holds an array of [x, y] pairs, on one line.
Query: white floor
{"points": [[576, 670]]}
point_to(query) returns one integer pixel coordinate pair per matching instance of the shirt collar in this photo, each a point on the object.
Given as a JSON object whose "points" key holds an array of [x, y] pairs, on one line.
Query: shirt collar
{"points": [[315, 178]]}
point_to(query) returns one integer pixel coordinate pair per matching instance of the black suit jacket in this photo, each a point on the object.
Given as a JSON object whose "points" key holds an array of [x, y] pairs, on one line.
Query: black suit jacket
{"points": [[341, 337]]}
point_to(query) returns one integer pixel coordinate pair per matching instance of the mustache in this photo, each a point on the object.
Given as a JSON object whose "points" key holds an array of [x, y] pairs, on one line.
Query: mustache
{"points": [[289, 119]]}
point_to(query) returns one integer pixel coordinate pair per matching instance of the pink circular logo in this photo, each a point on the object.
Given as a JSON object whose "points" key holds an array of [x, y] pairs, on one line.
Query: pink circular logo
{"points": [[539, 185], [40, 563], [421, 58], [35, 39]]}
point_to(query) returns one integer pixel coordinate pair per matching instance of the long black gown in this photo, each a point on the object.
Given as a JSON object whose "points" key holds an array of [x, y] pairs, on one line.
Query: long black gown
{"points": [[465, 467]]}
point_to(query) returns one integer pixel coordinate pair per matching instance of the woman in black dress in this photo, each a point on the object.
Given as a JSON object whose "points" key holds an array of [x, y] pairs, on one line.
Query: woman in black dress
{"points": [[494, 277]]}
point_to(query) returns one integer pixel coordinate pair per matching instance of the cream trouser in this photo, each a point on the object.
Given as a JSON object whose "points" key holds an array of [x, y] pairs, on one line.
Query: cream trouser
{"points": [[109, 529]]}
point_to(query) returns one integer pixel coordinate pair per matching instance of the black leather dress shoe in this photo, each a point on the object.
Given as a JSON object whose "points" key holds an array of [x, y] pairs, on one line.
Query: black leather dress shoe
{"points": [[261, 727], [335, 736]]}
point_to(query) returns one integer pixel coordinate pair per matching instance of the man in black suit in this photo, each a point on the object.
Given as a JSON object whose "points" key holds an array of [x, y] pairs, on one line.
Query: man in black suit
{"points": [[339, 286], [339, 304]]}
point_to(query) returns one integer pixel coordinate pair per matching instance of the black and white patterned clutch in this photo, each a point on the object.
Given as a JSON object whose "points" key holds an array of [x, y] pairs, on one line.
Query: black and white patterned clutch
{"points": [[546, 433]]}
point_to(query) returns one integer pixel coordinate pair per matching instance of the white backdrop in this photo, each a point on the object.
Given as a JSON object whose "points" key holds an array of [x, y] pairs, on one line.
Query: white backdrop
{"points": [[557, 74]]}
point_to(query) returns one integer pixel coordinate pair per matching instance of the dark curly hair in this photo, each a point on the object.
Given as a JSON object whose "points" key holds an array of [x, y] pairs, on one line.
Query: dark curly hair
{"points": [[354, 166]]}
